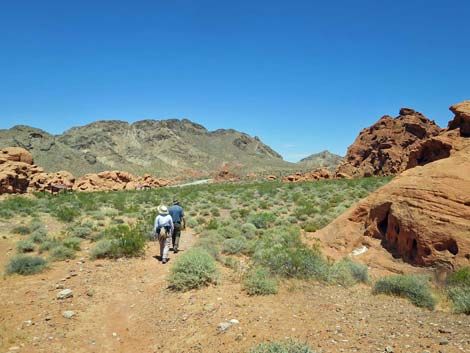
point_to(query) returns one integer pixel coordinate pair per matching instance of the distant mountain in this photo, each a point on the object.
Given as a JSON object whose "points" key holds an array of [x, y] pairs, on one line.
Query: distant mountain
{"points": [[323, 159], [159, 147]]}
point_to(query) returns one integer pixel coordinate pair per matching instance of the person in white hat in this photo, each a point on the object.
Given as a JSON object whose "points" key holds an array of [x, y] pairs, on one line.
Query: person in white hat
{"points": [[162, 231]]}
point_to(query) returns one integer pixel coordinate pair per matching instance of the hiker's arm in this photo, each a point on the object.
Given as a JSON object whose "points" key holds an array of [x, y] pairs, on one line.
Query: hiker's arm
{"points": [[183, 221], [155, 226]]}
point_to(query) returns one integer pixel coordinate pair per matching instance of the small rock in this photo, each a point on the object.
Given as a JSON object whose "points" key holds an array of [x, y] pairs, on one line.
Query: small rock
{"points": [[234, 321], [224, 326], [114, 334], [443, 342], [68, 314], [66, 293], [388, 349], [27, 323], [208, 307], [48, 318], [14, 349]]}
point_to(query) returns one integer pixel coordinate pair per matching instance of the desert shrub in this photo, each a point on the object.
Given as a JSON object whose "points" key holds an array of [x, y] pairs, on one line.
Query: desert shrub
{"points": [[194, 269], [67, 213], [229, 262], [213, 224], [414, 287], [25, 245], [258, 281], [262, 220], [22, 230], [35, 223], [310, 226], [102, 249], [72, 243], [234, 245], [191, 222], [38, 235], [458, 290], [347, 273], [61, 253], [48, 244], [289, 346], [80, 231], [211, 242], [460, 297], [248, 230], [215, 212], [25, 265], [229, 232], [129, 241], [300, 262], [15, 205]]}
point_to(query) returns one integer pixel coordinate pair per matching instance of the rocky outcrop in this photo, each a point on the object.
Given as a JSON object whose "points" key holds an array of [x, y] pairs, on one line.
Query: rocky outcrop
{"points": [[421, 216], [461, 120], [116, 180], [49, 181], [383, 148], [319, 174], [16, 170]]}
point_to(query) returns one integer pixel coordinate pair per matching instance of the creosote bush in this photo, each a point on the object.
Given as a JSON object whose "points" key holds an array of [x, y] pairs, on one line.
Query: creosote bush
{"points": [[22, 230], [458, 290], [61, 253], [258, 281], [25, 265], [25, 246], [194, 269], [414, 287], [102, 249]]}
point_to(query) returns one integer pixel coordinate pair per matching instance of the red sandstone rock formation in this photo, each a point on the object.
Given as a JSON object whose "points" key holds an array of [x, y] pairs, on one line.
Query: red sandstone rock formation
{"points": [[423, 215], [16, 170], [383, 148], [45, 181], [318, 174], [271, 177]]}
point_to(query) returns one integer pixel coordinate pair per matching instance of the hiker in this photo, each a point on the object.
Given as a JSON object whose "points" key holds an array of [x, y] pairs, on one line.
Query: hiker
{"points": [[163, 220], [177, 214]]}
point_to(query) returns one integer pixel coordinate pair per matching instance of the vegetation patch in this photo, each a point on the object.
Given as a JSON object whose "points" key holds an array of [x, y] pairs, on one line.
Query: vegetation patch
{"points": [[194, 269], [25, 265], [258, 281], [289, 346], [414, 287]]}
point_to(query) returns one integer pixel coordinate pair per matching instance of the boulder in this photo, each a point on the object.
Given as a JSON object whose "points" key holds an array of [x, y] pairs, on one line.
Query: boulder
{"points": [[47, 181], [461, 120], [16, 154], [383, 148]]}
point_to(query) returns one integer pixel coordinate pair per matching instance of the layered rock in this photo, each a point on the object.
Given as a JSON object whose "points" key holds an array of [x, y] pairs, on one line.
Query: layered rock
{"points": [[383, 148], [49, 181], [318, 174]]}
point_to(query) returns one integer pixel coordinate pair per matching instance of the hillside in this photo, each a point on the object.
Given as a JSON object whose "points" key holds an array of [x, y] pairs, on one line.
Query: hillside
{"points": [[158, 147], [324, 159]]}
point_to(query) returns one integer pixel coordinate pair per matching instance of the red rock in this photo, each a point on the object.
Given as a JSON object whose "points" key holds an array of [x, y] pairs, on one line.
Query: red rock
{"points": [[461, 120], [318, 174], [16, 154], [383, 148]]}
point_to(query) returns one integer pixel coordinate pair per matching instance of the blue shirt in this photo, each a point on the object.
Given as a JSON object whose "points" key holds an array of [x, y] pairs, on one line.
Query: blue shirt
{"points": [[176, 212]]}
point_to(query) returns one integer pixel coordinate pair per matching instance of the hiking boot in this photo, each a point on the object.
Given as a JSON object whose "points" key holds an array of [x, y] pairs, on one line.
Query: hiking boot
{"points": [[164, 261], [175, 251]]}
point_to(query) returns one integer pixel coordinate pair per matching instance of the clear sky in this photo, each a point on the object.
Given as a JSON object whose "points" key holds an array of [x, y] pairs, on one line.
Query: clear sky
{"points": [[303, 75]]}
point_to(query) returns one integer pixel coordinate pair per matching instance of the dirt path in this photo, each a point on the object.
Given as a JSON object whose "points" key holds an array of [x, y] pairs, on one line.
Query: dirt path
{"points": [[124, 306]]}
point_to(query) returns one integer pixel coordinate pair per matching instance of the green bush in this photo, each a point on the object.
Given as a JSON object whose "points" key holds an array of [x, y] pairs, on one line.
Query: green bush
{"points": [[102, 249], [25, 246], [38, 235], [347, 273], [414, 287], [213, 224], [80, 231], [194, 269], [234, 245], [67, 214], [248, 230], [229, 262], [282, 347], [25, 265], [258, 281], [458, 290], [460, 297], [72, 243], [127, 241], [22, 230], [48, 244], [61, 253], [262, 220]]}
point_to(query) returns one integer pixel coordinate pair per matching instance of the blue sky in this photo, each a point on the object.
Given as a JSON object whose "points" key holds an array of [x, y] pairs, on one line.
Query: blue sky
{"points": [[302, 75]]}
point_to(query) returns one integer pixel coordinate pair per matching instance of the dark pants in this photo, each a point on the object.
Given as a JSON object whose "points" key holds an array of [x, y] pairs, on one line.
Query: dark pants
{"points": [[176, 236]]}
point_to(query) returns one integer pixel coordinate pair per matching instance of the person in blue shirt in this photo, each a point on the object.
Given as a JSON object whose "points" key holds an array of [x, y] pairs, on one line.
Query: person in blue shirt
{"points": [[177, 214]]}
